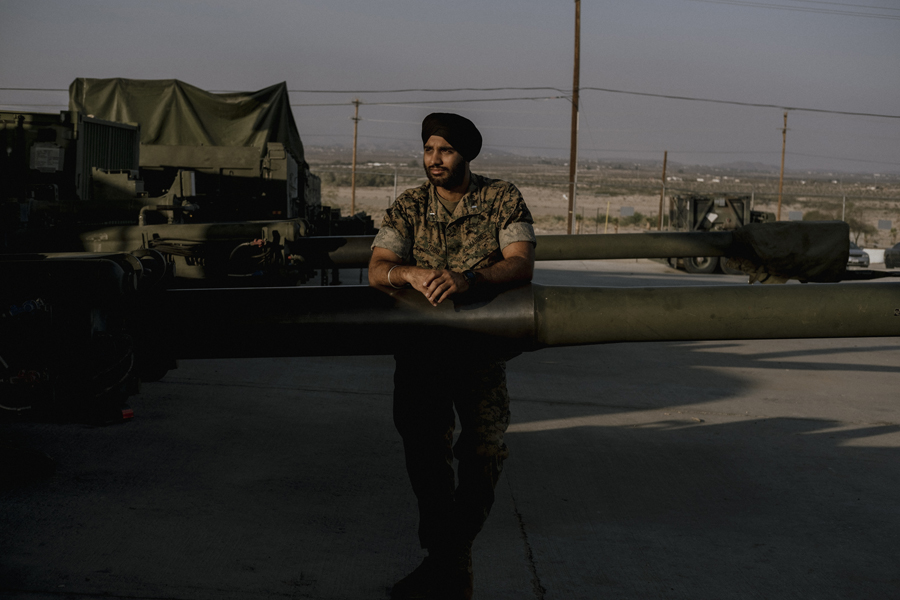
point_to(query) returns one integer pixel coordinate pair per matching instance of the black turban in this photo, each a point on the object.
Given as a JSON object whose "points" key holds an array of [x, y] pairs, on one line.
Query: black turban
{"points": [[459, 131]]}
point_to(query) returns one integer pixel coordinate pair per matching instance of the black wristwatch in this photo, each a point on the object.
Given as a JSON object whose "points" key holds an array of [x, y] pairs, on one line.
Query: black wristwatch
{"points": [[471, 277]]}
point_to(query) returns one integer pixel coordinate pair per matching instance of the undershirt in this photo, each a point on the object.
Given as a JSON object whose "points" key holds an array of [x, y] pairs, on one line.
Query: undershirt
{"points": [[448, 205]]}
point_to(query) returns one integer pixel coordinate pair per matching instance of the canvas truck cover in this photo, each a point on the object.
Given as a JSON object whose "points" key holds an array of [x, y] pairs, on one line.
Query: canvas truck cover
{"points": [[173, 113]]}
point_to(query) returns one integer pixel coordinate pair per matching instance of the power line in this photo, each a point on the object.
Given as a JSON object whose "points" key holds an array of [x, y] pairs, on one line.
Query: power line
{"points": [[397, 91], [15, 89], [504, 110], [827, 11], [410, 103], [738, 103], [848, 4], [424, 102], [564, 96], [692, 152], [615, 91], [434, 90], [495, 127]]}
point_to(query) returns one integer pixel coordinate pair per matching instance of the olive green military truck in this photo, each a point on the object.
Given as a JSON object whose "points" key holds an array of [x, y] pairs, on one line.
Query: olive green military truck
{"points": [[711, 213]]}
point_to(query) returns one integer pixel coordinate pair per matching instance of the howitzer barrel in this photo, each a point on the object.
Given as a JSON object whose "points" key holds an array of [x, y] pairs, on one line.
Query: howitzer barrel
{"points": [[347, 252], [259, 322], [633, 245], [571, 315], [354, 251], [333, 321]]}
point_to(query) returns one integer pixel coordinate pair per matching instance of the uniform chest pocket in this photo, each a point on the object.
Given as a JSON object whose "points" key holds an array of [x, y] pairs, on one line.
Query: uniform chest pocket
{"points": [[481, 250], [429, 254]]}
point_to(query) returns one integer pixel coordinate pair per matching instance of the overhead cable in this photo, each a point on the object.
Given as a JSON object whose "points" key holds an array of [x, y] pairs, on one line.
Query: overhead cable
{"points": [[564, 96], [808, 9]]}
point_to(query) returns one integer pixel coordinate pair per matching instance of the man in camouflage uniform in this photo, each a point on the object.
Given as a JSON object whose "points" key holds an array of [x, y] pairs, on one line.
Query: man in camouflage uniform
{"points": [[457, 233]]}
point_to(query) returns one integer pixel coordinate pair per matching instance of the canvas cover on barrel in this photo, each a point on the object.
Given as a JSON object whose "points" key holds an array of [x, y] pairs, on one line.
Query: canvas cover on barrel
{"points": [[808, 251]]}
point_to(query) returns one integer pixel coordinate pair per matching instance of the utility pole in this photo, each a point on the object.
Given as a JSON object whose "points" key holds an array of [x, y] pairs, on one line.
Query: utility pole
{"points": [[394, 197], [573, 152], [781, 179], [662, 193], [353, 168]]}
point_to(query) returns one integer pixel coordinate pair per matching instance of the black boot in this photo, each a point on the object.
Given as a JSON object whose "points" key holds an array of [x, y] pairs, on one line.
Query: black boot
{"points": [[459, 576], [423, 583]]}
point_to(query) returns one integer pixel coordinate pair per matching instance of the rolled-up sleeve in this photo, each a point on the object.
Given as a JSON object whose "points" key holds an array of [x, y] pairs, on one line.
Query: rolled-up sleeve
{"points": [[396, 232], [389, 238], [517, 223], [517, 232]]}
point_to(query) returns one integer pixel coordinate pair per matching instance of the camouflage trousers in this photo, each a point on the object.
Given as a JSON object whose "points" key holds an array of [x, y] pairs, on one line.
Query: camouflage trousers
{"points": [[426, 391]]}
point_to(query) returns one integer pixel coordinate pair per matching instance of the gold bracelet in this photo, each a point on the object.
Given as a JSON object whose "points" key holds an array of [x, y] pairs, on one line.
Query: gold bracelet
{"points": [[389, 278]]}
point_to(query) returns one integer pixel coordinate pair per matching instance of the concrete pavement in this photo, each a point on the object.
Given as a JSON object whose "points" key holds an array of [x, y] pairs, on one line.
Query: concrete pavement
{"points": [[701, 470]]}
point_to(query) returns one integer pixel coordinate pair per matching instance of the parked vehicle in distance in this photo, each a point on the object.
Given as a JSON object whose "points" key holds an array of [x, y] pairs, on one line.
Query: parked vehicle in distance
{"points": [[858, 257], [892, 257], [711, 213]]}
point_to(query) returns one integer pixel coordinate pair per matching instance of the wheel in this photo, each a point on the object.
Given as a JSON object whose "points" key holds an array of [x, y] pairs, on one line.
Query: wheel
{"points": [[701, 264], [723, 264]]}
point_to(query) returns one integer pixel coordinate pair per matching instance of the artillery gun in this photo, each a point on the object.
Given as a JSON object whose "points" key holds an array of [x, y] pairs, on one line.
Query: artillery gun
{"points": [[84, 329], [117, 214]]}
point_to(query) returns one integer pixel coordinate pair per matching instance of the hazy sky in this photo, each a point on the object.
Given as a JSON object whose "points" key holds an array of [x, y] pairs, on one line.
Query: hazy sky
{"points": [[817, 55]]}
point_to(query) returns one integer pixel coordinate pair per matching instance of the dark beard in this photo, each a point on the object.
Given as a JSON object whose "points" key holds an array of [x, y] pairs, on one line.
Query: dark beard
{"points": [[453, 178]]}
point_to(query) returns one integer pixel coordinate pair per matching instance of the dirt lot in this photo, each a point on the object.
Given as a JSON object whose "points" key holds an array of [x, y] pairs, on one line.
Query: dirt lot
{"points": [[548, 207], [867, 202]]}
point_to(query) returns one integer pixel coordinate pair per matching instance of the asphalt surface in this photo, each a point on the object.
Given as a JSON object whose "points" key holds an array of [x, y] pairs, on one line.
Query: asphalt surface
{"points": [[694, 470]]}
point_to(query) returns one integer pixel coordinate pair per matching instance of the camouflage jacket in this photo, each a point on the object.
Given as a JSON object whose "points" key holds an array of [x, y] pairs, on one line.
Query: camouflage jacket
{"points": [[491, 215]]}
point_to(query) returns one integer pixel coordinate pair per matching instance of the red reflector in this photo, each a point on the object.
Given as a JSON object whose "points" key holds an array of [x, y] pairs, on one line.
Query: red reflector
{"points": [[127, 413]]}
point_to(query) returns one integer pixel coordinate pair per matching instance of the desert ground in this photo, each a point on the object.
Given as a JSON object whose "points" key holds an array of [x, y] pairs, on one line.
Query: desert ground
{"points": [[869, 202], [547, 206]]}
